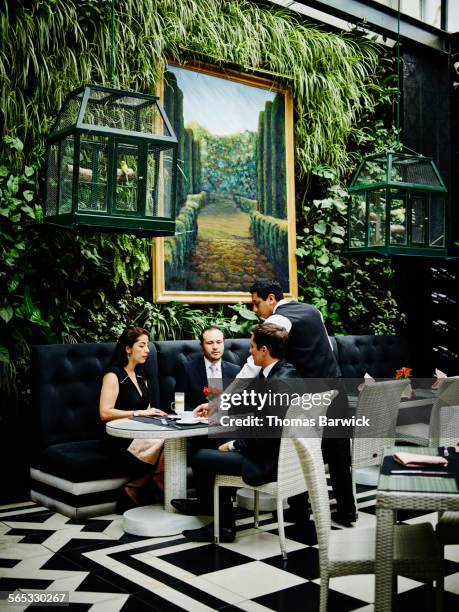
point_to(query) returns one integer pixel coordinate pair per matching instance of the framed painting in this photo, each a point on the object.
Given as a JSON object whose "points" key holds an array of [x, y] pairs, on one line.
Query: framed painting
{"points": [[235, 187]]}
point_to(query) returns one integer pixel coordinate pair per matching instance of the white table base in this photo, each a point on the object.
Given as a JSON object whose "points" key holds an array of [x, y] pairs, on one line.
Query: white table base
{"points": [[151, 521], [154, 521]]}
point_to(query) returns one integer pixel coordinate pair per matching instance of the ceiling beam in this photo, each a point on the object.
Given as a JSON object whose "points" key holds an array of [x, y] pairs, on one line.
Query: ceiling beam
{"points": [[378, 18]]}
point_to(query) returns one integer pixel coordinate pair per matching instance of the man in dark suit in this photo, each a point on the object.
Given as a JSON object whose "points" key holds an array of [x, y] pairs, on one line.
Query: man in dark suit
{"points": [[255, 459], [207, 371], [310, 351]]}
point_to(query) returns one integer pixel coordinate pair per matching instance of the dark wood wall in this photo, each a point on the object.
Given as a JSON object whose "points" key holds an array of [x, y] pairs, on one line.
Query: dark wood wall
{"points": [[427, 289]]}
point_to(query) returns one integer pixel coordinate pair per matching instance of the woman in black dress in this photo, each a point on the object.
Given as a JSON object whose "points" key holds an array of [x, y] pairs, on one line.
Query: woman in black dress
{"points": [[125, 394]]}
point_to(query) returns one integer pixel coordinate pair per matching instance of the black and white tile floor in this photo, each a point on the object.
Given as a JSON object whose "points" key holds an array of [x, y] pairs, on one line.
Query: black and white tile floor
{"points": [[105, 569]]}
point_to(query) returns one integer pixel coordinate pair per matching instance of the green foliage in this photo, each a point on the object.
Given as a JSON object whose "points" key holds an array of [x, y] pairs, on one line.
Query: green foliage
{"points": [[267, 205], [278, 170], [54, 46], [173, 321], [354, 295], [59, 286], [271, 237], [245, 204], [228, 163], [50, 279], [242, 322], [189, 173], [260, 164], [19, 312], [177, 249]]}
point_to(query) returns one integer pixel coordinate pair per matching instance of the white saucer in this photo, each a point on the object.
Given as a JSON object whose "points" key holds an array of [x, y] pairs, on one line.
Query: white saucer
{"points": [[187, 421]]}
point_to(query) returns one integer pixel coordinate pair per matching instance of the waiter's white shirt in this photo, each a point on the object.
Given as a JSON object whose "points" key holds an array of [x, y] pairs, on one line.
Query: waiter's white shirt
{"points": [[250, 370]]}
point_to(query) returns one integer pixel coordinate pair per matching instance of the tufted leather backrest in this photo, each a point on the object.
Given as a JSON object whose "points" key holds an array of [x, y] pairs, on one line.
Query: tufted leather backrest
{"points": [[173, 353], [66, 378], [380, 356], [66, 382]]}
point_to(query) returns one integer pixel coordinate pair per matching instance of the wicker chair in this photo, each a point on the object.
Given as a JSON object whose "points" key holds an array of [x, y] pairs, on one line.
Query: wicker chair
{"points": [[380, 402], [428, 434], [352, 551], [290, 480], [445, 432]]}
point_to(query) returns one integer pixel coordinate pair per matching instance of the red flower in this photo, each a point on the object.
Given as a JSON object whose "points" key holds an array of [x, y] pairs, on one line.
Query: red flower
{"points": [[403, 373], [211, 393]]}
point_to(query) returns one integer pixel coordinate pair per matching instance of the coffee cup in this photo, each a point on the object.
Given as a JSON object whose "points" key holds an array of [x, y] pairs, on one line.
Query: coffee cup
{"points": [[187, 415]]}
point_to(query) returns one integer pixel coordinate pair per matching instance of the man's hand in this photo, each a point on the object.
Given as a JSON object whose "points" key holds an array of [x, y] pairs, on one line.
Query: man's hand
{"points": [[201, 411], [224, 447]]}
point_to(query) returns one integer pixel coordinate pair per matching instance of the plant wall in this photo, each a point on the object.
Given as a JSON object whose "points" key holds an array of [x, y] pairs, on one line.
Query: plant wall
{"points": [[58, 286]]}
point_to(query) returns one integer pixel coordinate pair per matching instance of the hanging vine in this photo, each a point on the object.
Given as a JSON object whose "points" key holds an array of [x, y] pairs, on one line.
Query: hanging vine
{"points": [[54, 285], [48, 50]]}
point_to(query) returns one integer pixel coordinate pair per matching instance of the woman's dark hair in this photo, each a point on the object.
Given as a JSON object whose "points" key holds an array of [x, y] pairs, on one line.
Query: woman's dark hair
{"points": [[128, 338]]}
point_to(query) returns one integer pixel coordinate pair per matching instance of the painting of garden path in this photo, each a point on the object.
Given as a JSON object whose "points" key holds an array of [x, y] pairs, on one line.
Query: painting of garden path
{"points": [[231, 196]]}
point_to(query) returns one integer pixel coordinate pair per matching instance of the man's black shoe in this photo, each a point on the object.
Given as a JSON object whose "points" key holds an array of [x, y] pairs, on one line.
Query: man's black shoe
{"points": [[206, 534], [191, 507], [343, 519]]}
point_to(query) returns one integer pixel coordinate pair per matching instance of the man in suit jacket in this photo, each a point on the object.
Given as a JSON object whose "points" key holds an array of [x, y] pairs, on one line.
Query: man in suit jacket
{"points": [[208, 370], [309, 349], [255, 459]]}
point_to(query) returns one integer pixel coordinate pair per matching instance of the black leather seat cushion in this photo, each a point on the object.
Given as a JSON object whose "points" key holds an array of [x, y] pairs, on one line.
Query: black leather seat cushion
{"points": [[81, 461]]}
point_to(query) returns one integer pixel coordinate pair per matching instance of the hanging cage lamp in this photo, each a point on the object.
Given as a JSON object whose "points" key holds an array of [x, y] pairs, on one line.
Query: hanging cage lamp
{"points": [[398, 200], [397, 206], [112, 164]]}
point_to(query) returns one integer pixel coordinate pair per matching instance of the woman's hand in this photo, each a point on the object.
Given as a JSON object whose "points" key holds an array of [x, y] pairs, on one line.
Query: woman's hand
{"points": [[224, 448], [152, 412]]}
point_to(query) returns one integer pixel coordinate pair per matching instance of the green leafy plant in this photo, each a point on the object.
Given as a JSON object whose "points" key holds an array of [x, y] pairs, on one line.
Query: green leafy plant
{"points": [[64, 287]]}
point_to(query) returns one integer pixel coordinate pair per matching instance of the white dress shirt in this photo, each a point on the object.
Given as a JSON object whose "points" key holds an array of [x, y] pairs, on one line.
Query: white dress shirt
{"points": [[217, 372]]}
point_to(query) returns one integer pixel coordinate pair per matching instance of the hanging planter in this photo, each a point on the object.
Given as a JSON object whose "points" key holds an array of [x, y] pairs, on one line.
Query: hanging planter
{"points": [[398, 200], [112, 164], [111, 161], [397, 206]]}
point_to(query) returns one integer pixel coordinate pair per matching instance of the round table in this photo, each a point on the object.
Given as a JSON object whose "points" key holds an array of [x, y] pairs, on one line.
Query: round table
{"points": [[156, 520]]}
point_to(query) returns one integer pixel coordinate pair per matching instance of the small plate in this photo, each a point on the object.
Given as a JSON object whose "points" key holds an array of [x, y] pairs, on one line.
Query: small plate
{"points": [[187, 421]]}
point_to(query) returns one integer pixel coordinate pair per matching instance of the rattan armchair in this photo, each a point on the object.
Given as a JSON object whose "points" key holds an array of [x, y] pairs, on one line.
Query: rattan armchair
{"points": [[428, 434], [352, 551], [445, 432], [290, 479], [379, 401]]}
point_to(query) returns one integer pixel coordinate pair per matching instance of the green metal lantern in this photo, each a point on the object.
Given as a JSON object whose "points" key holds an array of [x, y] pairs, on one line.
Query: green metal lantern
{"points": [[398, 206], [112, 164]]}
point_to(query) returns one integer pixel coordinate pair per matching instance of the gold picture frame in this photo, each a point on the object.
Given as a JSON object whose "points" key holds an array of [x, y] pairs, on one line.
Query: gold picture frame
{"points": [[265, 260]]}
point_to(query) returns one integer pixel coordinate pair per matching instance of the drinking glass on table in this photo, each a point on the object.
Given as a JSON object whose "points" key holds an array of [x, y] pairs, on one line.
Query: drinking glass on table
{"points": [[178, 405]]}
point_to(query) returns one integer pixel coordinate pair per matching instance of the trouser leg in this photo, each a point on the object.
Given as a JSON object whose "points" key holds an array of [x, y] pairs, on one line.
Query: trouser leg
{"points": [[337, 453], [206, 464]]}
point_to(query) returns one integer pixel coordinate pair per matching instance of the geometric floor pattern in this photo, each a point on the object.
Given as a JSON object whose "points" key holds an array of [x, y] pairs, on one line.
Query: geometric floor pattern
{"points": [[105, 569]]}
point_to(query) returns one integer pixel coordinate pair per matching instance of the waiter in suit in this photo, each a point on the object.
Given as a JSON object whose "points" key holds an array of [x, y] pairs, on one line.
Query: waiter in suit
{"points": [[207, 371], [255, 459], [309, 349]]}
